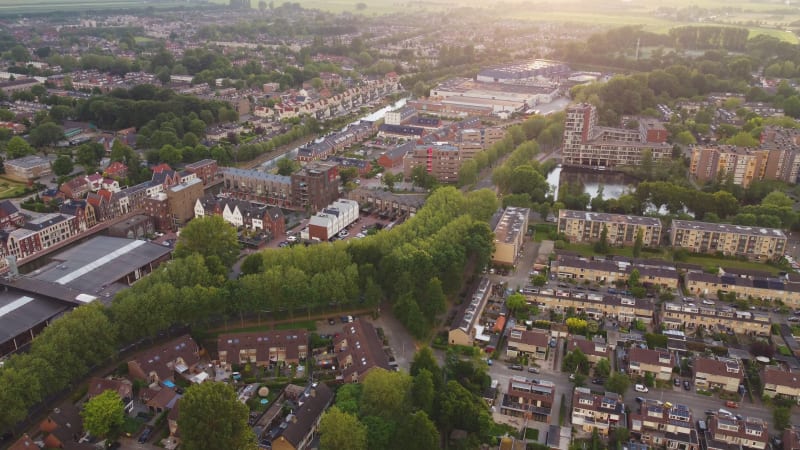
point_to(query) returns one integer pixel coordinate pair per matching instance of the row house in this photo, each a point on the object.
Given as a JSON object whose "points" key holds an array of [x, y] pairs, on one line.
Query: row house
{"points": [[353, 97], [528, 398], [621, 229], [762, 287], [387, 203], [361, 165], [359, 350], [609, 271], [665, 425], [756, 243], [10, 217], [723, 373], [689, 316], [591, 411], [83, 212], [180, 356], [657, 363], [243, 214], [595, 305], [40, 233], [781, 383], [530, 343], [724, 431], [263, 348], [595, 349], [205, 169], [258, 186]]}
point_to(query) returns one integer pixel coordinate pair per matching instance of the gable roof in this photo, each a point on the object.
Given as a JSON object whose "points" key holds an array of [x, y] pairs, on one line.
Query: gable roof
{"points": [[161, 360], [361, 342], [97, 386], [7, 208], [312, 403]]}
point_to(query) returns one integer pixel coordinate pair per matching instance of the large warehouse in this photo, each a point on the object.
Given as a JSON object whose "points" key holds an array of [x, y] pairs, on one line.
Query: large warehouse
{"points": [[23, 316]]}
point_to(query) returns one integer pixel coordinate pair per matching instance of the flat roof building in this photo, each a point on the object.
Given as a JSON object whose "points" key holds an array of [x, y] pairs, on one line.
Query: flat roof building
{"points": [[466, 327], [23, 316], [509, 235], [758, 243], [622, 229]]}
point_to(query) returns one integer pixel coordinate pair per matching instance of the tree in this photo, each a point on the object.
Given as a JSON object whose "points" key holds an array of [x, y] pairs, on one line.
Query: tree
{"points": [[62, 165], [782, 417], [385, 394], [603, 368], [103, 413], [637, 244], [422, 391], [539, 280], [287, 166], [212, 238], [212, 417], [424, 360], [618, 383], [516, 303], [576, 362], [17, 148], [420, 177], [348, 174], [47, 133], [341, 431], [418, 432], [601, 246]]}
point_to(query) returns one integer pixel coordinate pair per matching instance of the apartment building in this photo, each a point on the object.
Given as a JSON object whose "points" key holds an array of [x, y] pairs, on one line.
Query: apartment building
{"points": [[315, 185], [205, 169], [661, 425], [595, 305], [587, 144], [609, 271], [440, 160], [258, 186], [658, 363], [509, 235], [592, 411], [781, 383], [584, 226], [713, 319], [40, 233], [776, 158], [531, 343], [466, 326], [331, 220], [731, 240], [528, 398], [263, 348], [724, 431], [243, 214], [762, 287], [723, 373]]}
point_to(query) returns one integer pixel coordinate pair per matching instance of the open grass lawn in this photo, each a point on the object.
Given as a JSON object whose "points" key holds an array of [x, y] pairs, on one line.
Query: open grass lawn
{"points": [[20, 6], [10, 188], [306, 324], [132, 425], [705, 261]]}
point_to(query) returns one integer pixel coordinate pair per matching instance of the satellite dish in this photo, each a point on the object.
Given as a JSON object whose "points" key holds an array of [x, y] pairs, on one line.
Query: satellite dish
{"points": [[762, 359]]}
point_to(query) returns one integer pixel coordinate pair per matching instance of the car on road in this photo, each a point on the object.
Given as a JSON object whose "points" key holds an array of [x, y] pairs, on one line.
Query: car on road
{"points": [[640, 388], [725, 412], [599, 381], [145, 435], [686, 385], [731, 404], [711, 412], [794, 319], [640, 399], [515, 367], [533, 370]]}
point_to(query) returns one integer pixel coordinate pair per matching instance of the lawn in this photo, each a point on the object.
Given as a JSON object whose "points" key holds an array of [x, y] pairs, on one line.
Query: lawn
{"points": [[306, 325], [18, 7], [132, 425], [10, 188], [705, 261]]}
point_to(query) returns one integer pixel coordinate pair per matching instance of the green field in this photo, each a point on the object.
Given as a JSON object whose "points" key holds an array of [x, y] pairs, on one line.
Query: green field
{"points": [[10, 188], [44, 6]]}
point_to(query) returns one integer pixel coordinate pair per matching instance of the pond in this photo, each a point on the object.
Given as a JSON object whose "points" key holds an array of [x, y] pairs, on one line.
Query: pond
{"points": [[614, 183]]}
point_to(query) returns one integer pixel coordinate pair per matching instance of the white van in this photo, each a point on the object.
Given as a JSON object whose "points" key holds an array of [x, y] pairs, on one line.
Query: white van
{"points": [[725, 412], [640, 388]]}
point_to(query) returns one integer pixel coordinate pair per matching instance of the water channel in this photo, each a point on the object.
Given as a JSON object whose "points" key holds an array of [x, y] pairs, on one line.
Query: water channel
{"points": [[614, 183]]}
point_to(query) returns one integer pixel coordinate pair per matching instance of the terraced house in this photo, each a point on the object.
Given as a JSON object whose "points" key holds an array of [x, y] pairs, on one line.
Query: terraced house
{"points": [[764, 287], [658, 363], [781, 383], [723, 319], [662, 424], [726, 374], [592, 411], [724, 431], [755, 243], [583, 226], [605, 271], [595, 305]]}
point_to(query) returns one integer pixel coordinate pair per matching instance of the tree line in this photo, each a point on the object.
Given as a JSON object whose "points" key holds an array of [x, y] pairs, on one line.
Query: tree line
{"points": [[413, 265]]}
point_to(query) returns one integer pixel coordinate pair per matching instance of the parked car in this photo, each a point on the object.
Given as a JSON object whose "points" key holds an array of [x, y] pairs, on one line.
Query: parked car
{"points": [[533, 369], [701, 425], [711, 412], [725, 412], [686, 385], [515, 367], [489, 361], [331, 321], [640, 388], [731, 404], [553, 342], [145, 435], [677, 382], [640, 399], [599, 381]]}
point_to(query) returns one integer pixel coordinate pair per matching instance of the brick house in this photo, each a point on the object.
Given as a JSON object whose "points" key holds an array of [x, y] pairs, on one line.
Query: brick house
{"points": [[661, 424], [531, 343], [659, 363], [159, 364], [726, 374], [781, 383], [592, 411], [263, 348]]}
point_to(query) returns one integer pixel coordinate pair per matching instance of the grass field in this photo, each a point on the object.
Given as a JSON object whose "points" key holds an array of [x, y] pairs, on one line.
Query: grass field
{"points": [[44, 6], [10, 188]]}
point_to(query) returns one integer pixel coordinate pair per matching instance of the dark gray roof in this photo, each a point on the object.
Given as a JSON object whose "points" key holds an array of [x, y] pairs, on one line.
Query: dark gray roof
{"points": [[20, 311], [313, 403]]}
